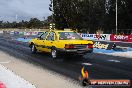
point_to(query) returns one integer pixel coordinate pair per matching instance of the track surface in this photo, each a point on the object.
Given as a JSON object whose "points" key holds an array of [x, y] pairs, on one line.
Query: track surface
{"points": [[99, 66]]}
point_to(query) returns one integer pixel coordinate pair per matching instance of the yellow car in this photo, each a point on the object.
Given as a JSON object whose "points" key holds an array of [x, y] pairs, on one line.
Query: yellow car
{"points": [[61, 42]]}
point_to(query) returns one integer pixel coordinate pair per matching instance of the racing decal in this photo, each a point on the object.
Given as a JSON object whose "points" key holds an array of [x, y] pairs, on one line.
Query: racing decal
{"points": [[43, 46]]}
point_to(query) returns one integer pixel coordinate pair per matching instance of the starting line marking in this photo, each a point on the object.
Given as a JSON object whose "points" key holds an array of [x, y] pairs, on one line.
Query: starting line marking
{"points": [[117, 61], [89, 64]]}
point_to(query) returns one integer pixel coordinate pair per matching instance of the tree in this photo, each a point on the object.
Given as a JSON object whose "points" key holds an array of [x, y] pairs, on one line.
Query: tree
{"points": [[80, 14], [34, 23]]}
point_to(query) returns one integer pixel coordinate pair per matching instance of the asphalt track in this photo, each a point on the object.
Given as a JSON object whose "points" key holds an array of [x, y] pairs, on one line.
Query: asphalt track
{"points": [[99, 66]]}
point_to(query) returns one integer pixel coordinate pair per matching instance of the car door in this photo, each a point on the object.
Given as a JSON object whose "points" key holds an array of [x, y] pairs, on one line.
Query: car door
{"points": [[40, 44], [49, 42]]}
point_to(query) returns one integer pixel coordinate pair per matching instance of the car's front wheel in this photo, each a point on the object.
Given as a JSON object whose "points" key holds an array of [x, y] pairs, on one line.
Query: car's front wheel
{"points": [[33, 49]]}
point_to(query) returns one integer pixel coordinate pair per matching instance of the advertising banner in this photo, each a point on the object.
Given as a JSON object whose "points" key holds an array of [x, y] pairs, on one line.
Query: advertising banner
{"points": [[16, 33], [103, 45], [100, 37], [21, 33], [87, 36], [11, 32], [34, 33], [30, 33], [27, 33], [130, 38], [124, 38]]}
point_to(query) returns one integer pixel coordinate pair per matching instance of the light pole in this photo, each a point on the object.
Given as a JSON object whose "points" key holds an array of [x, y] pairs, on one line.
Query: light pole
{"points": [[116, 18], [52, 25]]}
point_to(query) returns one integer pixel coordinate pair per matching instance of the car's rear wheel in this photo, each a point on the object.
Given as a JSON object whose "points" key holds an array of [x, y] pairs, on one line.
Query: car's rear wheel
{"points": [[54, 53], [57, 56], [33, 49]]}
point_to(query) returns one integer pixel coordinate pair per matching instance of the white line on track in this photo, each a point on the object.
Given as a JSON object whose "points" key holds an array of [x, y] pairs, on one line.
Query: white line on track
{"points": [[89, 64], [116, 61], [5, 62]]}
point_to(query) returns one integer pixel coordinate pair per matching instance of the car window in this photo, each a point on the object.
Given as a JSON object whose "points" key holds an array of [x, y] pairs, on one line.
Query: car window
{"points": [[40, 34], [69, 36], [43, 37], [50, 36]]}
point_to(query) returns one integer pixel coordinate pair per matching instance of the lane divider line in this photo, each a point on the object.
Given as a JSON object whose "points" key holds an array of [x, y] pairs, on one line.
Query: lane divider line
{"points": [[89, 64], [116, 61]]}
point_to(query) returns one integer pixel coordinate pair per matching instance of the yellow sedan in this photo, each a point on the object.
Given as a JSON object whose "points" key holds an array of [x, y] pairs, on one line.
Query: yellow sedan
{"points": [[60, 42]]}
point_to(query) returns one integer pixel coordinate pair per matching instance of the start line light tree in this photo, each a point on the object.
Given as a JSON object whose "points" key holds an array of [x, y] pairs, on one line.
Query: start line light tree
{"points": [[52, 26]]}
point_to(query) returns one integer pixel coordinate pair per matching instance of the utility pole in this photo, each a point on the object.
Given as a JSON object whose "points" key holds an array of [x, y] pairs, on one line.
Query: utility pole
{"points": [[116, 18]]}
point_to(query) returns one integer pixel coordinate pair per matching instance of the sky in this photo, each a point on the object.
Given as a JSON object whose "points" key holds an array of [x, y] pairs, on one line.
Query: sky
{"points": [[17, 10]]}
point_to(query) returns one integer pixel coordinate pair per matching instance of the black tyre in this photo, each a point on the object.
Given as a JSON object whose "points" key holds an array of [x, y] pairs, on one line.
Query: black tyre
{"points": [[54, 53], [33, 49]]}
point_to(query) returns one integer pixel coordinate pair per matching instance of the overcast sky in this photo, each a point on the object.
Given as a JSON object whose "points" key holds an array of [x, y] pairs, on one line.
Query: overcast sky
{"points": [[23, 9]]}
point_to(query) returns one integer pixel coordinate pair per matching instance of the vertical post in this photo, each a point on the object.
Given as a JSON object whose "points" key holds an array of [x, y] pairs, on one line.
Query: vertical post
{"points": [[116, 18], [52, 14], [89, 15]]}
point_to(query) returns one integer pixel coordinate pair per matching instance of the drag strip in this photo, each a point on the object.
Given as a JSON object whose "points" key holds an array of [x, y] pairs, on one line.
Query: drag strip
{"points": [[99, 66]]}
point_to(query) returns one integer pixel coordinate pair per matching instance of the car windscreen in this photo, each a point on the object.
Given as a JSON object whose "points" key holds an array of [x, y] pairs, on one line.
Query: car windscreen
{"points": [[69, 36]]}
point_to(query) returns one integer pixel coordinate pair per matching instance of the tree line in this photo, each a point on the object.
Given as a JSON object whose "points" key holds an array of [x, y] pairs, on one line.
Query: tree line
{"points": [[32, 23], [92, 15]]}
